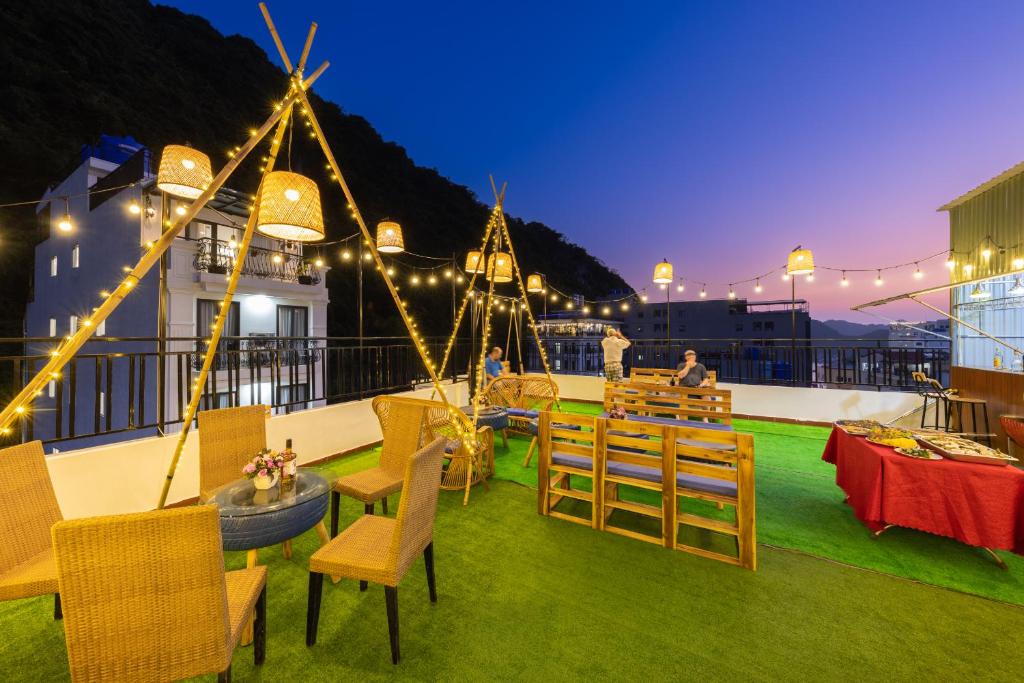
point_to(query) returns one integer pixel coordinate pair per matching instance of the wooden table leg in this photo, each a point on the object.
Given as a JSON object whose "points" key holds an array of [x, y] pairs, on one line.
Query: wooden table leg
{"points": [[286, 549], [325, 538], [251, 558]]}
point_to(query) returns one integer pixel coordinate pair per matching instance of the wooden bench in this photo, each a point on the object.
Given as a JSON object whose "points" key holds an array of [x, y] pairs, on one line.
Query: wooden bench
{"points": [[690, 403], [685, 466], [524, 397], [663, 376]]}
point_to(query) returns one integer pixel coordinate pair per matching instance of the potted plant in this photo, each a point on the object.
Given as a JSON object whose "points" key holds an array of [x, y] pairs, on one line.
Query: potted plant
{"points": [[264, 469], [305, 273]]}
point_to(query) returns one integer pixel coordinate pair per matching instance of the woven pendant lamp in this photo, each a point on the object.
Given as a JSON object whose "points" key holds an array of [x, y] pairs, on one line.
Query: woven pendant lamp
{"points": [[474, 262], [534, 283], [389, 237], [184, 172], [290, 208], [800, 262], [663, 273], [499, 267]]}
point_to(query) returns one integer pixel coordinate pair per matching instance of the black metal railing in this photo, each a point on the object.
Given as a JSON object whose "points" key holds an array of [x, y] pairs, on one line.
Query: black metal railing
{"points": [[859, 364], [110, 388], [218, 256]]}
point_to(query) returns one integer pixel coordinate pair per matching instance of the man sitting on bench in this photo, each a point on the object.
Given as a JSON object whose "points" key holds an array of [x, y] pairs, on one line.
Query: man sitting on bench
{"points": [[691, 373]]}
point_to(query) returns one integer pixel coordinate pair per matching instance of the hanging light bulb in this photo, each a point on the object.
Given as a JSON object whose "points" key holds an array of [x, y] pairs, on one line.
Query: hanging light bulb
{"points": [[586, 310], [968, 269], [391, 271], [643, 297], [459, 279], [389, 237], [810, 278], [844, 282], [1017, 289], [785, 277], [703, 292], [680, 287], [346, 255], [980, 292], [232, 243], [1018, 264], [277, 258], [65, 224], [180, 210], [732, 294], [568, 305], [290, 208], [986, 253], [606, 311], [367, 256], [624, 306], [432, 280], [950, 261], [448, 274], [757, 287], [319, 263], [917, 272], [414, 280], [663, 273], [134, 208], [878, 279]]}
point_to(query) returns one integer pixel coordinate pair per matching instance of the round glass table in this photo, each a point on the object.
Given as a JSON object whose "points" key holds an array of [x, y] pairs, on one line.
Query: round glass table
{"points": [[252, 518]]}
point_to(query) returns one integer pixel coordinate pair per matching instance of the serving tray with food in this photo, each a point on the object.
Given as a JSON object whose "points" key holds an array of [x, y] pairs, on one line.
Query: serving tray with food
{"points": [[893, 437], [965, 450], [920, 453], [857, 427]]}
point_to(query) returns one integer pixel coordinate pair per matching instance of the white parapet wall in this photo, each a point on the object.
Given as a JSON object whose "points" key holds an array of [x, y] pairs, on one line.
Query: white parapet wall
{"points": [[128, 476], [789, 403]]}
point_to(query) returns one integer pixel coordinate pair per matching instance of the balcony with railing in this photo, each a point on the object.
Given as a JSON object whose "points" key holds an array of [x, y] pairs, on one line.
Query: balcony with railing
{"points": [[218, 257]]}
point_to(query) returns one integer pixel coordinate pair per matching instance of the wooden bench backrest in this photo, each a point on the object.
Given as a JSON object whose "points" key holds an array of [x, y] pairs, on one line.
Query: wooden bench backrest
{"points": [[569, 433], [662, 375], [640, 398]]}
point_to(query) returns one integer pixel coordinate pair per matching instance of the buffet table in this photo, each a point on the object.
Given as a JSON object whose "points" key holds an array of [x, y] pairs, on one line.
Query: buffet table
{"points": [[980, 505]]}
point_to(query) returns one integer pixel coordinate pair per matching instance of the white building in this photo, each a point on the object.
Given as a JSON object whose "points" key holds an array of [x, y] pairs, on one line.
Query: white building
{"points": [[277, 323]]}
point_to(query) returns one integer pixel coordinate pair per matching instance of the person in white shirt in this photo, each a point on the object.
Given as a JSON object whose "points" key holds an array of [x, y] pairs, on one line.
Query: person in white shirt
{"points": [[613, 344]]}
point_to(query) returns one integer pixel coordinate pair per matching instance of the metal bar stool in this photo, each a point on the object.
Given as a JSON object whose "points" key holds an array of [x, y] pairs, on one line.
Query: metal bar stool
{"points": [[959, 402], [930, 389]]}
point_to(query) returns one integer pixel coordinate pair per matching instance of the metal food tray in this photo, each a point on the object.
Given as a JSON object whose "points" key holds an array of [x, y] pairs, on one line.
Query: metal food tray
{"points": [[998, 459]]}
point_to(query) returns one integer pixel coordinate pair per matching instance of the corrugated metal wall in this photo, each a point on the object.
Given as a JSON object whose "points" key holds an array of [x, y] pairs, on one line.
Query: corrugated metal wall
{"points": [[993, 219]]}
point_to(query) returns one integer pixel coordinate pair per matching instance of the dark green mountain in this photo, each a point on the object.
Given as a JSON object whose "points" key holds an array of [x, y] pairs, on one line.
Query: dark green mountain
{"points": [[73, 70]]}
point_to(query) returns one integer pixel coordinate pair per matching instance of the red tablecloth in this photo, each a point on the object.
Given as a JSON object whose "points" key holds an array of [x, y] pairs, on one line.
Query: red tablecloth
{"points": [[981, 505]]}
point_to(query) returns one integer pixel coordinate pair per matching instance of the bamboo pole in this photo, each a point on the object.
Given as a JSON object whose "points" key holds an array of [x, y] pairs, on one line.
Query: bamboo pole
{"points": [[526, 300], [222, 314], [461, 418], [305, 49], [277, 38], [486, 332], [60, 356], [491, 222]]}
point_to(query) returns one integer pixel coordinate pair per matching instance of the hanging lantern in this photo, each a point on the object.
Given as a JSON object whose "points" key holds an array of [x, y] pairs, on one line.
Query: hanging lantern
{"points": [[474, 262], [389, 237], [289, 208], [663, 273], [534, 283], [980, 292], [184, 172], [499, 267], [800, 262]]}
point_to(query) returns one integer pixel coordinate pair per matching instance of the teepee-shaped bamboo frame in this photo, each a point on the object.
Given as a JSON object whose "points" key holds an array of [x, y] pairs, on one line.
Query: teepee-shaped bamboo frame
{"points": [[282, 115], [495, 235]]}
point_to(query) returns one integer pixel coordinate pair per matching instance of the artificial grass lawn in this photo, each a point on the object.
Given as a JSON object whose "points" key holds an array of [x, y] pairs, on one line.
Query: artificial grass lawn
{"points": [[527, 597]]}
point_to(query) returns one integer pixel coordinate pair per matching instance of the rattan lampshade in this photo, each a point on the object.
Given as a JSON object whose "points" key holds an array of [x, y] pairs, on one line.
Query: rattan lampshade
{"points": [[290, 208], [663, 273], [389, 237], [474, 262], [801, 262], [534, 283], [499, 267], [184, 172]]}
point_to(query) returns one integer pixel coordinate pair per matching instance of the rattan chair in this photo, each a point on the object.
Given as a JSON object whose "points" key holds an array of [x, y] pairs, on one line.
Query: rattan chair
{"points": [[401, 423], [381, 549], [228, 439], [28, 509], [147, 598], [525, 397]]}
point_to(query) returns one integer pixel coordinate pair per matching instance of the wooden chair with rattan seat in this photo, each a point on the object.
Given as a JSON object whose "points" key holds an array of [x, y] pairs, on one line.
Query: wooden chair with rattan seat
{"points": [[28, 509], [147, 598], [381, 549]]}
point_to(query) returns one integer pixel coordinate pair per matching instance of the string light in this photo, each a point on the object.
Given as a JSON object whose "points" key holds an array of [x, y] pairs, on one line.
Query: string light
{"points": [[346, 255], [65, 224], [606, 311], [703, 292], [414, 280], [319, 263], [844, 282], [950, 261], [624, 306], [878, 279], [810, 278], [643, 297], [917, 272], [459, 279], [1018, 263], [758, 288], [732, 294], [554, 297], [180, 210], [276, 258], [134, 208], [432, 280], [968, 269], [367, 256], [986, 253], [448, 275], [785, 277], [391, 271], [680, 287]]}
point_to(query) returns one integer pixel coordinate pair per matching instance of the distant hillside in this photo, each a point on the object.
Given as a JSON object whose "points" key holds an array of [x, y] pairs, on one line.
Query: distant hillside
{"points": [[74, 70], [845, 328]]}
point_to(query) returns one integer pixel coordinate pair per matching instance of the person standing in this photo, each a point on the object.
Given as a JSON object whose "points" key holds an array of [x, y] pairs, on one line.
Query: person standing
{"points": [[691, 373], [613, 344]]}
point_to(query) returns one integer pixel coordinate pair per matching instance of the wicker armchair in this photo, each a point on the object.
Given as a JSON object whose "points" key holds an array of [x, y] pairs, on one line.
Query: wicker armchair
{"points": [[524, 397], [381, 549], [228, 438], [147, 597], [28, 509]]}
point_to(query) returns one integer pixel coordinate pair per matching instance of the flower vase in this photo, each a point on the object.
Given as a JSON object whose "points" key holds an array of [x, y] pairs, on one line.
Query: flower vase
{"points": [[264, 482]]}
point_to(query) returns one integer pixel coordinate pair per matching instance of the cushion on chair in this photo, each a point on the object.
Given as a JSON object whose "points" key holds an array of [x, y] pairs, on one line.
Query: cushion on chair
{"points": [[370, 485], [710, 445], [567, 460], [35, 576], [243, 588], [359, 552], [522, 412]]}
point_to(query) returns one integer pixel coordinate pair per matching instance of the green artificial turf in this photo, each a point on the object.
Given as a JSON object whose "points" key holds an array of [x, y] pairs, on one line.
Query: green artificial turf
{"points": [[800, 507], [527, 597], [531, 598]]}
